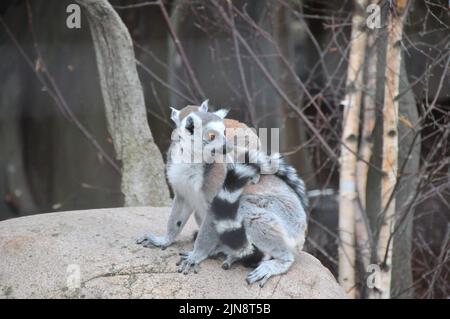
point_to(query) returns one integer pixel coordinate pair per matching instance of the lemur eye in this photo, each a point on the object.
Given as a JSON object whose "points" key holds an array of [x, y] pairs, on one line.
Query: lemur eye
{"points": [[211, 136]]}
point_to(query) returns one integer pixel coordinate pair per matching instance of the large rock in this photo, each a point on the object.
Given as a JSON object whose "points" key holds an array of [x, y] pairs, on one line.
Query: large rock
{"points": [[42, 255]]}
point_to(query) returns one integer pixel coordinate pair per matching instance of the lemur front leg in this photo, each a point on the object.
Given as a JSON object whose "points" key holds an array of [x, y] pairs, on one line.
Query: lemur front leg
{"points": [[178, 217], [205, 244]]}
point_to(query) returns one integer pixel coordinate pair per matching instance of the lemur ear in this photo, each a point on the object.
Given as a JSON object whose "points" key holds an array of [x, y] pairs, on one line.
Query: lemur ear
{"points": [[222, 113], [204, 106], [175, 116]]}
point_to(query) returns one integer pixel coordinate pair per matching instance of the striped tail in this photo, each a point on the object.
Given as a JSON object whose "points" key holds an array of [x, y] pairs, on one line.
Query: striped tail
{"points": [[225, 205], [275, 164]]}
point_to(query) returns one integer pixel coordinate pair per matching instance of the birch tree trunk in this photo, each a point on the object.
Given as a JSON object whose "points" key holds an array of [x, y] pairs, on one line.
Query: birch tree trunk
{"points": [[390, 151], [143, 180], [362, 227], [349, 151]]}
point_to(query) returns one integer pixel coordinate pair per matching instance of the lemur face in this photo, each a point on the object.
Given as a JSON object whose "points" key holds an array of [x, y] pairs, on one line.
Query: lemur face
{"points": [[202, 133]]}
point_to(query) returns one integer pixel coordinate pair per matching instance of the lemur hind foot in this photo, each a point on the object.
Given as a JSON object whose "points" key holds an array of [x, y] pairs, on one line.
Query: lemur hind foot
{"points": [[150, 240]]}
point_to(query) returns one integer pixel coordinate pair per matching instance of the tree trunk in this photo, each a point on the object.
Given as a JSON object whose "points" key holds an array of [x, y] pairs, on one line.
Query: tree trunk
{"points": [[349, 151], [143, 180], [294, 133], [362, 227], [390, 152], [409, 158], [17, 199]]}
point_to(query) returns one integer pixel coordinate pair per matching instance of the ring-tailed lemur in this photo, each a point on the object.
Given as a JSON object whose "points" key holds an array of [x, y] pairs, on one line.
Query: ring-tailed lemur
{"points": [[272, 211], [225, 205]]}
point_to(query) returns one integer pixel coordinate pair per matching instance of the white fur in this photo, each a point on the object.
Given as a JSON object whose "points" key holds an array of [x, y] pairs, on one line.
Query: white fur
{"points": [[243, 170], [292, 242], [175, 116], [221, 113], [245, 251], [217, 126], [187, 180], [230, 196], [225, 225], [204, 106]]}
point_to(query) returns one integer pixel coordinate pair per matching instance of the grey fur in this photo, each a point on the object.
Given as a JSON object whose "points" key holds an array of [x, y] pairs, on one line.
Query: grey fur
{"points": [[289, 175]]}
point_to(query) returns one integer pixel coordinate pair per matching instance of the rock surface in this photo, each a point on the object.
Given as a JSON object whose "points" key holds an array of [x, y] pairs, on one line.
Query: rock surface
{"points": [[92, 254]]}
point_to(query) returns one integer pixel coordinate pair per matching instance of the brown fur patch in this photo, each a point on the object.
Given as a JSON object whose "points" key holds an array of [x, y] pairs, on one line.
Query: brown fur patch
{"points": [[239, 130], [229, 123], [267, 185], [214, 180], [185, 111]]}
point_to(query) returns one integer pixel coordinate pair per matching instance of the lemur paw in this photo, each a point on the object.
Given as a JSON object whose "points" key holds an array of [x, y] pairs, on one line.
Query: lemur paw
{"points": [[228, 262], [151, 240], [187, 262], [226, 265], [262, 273], [255, 179]]}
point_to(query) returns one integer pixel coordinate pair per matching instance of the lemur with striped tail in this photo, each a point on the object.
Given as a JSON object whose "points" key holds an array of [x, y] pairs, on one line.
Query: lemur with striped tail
{"points": [[271, 211]]}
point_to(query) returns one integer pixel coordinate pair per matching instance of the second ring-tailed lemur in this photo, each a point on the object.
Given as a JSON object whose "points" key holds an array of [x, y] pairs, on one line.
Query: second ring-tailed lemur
{"points": [[228, 223], [272, 211]]}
